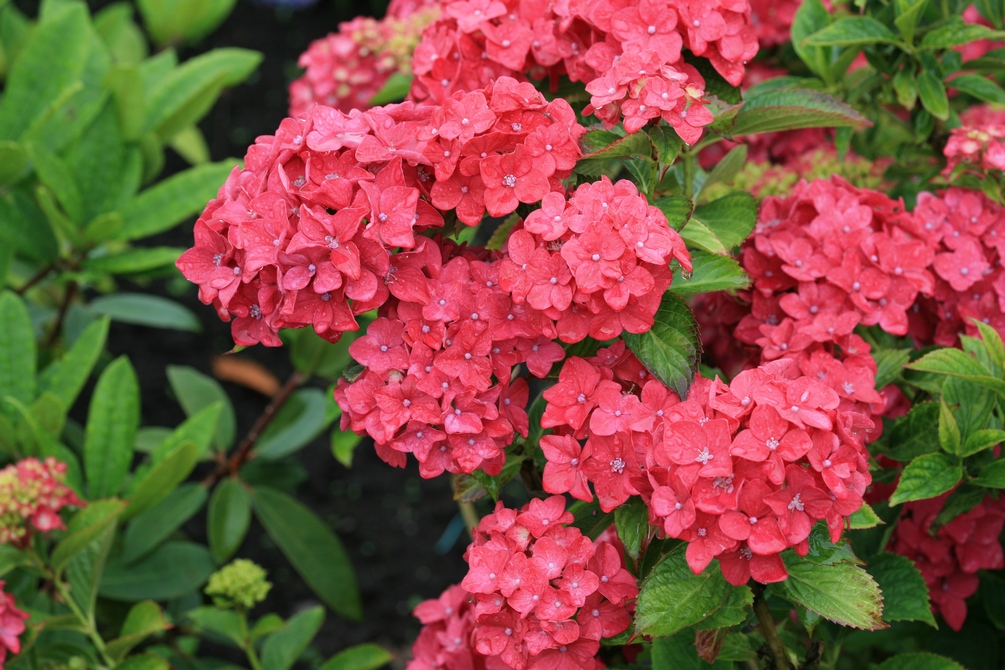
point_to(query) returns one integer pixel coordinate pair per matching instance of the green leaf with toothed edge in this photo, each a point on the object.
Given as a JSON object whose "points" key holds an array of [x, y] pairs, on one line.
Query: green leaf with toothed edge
{"points": [[672, 347]]}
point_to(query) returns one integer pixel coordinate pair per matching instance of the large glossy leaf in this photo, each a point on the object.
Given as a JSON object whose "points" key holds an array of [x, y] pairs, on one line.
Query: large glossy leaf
{"points": [[905, 595], [852, 31], [194, 391], [792, 108], [843, 592], [174, 570], [730, 218], [672, 348], [927, 477], [302, 418], [229, 519], [281, 649], [158, 523], [162, 478], [711, 272], [112, 421], [315, 552], [146, 310], [90, 525], [673, 598]]}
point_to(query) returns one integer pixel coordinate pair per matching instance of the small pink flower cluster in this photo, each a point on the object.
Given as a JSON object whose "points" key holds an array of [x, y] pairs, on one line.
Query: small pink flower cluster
{"points": [[311, 221], [978, 144], [740, 471], [32, 492], [11, 625], [967, 231], [538, 596], [772, 20], [596, 264], [627, 53], [346, 69], [950, 558]]}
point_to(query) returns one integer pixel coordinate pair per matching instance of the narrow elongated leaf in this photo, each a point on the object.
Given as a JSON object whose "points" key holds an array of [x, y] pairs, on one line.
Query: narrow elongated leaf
{"points": [[100, 515], [905, 595], [65, 378], [194, 391], [85, 569], [17, 352], [315, 552], [365, 656], [791, 108], [174, 570], [112, 421], [711, 272], [222, 622], [932, 93], [171, 201], [671, 349], [919, 661], [956, 32], [14, 163], [810, 18], [144, 662], [283, 648], [979, 87], [143, 620], [605, 144], [852, 31], [146, 310], [927, 477], [149, 529], [135, 260], [304, 417], [229, 519], [843, 593], [197, 429], [162, 478], [673, 598], [24, 226]]}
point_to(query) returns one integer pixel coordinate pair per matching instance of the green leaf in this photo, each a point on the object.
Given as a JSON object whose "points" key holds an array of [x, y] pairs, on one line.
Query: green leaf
{"points": [[171, 201], [711, 272], [949, 432], [730, 218], [992, 476], [315, 552], [194, 391], [671, 349], [500, 236], [226, 623], [960, 501], [915, 434], [927, 477], [14, 163], [908, 13], [395, 89], [175, 21], [174, 570], [727, 168], [852, 31], [143, 620], [100, 515], [680, 653], [792, 108], [697, 235], [993, 597], [144, 662], [267, 625], [191, 145], [65, 378], [643, 172], [979, 87], [889, 364], [151, 528], [919, 661], [632, 522], [133, 261], [933, 95], [955, 32], [906, 88], [365, 656], [17, 352], [865, 517], [189, 91], [677, 209], [112, 421], [993, 343], [302, 418], [905, 595], [734, 611], [980, 440], [810, 18], [282, 649], [197, 429], [956, 363], [25, 227], [162, 478], [229, 519], [343, 445], [146, 310], [843, 593], [673, 598], [122, 37], [84, 570], [668, 145]]}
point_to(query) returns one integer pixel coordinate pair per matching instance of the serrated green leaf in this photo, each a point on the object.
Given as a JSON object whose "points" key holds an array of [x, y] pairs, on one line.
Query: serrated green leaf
{"points": [[932, 93], [852, 31], [501, 234], [889, 364], [672, 347], [734, 611], [112, 421], [980, 440], [194, 391], [395, 89], [843, 593], [668, 145], [915, 434], [905, 595], [365, 656], [228, 520], [955, 32], [992, 475], [146, 310], [949, 431], [673, 598], [792, 108], [956, 363], [17, 352], [281, 649], [680, 653], [919, 661], [101, 514], [133, 261], [151, 528], [697, 235], [677, 209], [710, 272], [927, 477], [632, 522], [169, 202], [162, 478], [979, 87], [865, 517], [65, 378], [730, 218], [315, 552], [174, 570]]}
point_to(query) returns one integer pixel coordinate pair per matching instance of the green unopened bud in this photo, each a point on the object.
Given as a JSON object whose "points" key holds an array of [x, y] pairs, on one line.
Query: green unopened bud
{"points": [[240, 584]]}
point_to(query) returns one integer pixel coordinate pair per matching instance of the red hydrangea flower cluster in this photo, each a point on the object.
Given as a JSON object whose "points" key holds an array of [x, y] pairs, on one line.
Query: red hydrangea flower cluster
{"points": [[439, 361], [967, 230], [950, 558], [978, 144], [11, 624], [346, 69], [739, 471], [311, 221], [32, 492], [772, 20], [629, 54], [540, 596]]}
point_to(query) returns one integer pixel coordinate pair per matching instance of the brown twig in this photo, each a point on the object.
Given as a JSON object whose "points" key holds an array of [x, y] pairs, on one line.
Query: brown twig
{"points": [[64, 306], [243, 454], [36, 278], [776, 648]]}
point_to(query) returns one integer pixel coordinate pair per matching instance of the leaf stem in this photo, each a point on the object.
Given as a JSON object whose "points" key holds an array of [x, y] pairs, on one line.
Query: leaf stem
{"points": [[776, 648], [36, 278], [247, 644], [64, 306], [90, 628]]}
